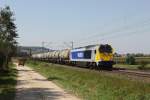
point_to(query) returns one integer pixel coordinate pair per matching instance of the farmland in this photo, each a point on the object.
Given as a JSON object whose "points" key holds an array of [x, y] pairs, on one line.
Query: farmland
{"points": [[93, 86], [138, 60], [140, 63]]}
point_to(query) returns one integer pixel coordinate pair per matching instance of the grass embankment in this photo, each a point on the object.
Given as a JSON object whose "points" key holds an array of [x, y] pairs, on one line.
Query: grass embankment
{"points": [[7, 83], [93, 86]]}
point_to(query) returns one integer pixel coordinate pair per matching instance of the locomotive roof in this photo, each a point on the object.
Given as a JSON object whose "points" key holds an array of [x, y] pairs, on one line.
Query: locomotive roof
{"points": [[88, 46]]}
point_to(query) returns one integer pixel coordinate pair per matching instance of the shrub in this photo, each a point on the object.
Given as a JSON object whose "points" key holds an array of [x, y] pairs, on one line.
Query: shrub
{"points": [[130, 59], [1, 60], [143, 65]]}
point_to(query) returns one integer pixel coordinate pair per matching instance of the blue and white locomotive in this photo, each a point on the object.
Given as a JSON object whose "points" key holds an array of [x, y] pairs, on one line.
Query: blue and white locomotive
{"points": [[92, 55]]}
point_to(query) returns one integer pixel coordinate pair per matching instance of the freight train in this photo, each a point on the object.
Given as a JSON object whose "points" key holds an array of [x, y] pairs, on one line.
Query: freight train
{"points": [[99, 56]]}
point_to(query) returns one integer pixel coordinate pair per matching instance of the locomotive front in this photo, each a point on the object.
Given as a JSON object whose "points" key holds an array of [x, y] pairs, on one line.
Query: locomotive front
{"points": [[104, 56]]}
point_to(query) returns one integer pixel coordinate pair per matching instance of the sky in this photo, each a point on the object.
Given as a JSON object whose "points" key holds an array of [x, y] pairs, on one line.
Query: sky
{"points": [[125, 24]]}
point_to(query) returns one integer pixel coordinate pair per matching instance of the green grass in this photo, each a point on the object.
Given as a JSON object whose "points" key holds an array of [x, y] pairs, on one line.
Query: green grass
{"points": [[126, 66], [7, 84], [139, 67], [93, 86]]}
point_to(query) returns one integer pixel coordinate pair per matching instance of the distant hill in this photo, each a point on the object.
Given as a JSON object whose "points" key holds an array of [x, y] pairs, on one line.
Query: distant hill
{"points": [[28, 50]]}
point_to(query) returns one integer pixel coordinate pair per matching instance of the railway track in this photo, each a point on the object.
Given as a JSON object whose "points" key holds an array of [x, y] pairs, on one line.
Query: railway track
{"points": [[115, 70], [135, 73], [138, 73], [120, 71]]}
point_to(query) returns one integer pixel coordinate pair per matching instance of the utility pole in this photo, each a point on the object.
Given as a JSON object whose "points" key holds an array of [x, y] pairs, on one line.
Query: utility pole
{"points": [[72, 44], [30, 52], [69, 44], [43, 46], [48, 45]]}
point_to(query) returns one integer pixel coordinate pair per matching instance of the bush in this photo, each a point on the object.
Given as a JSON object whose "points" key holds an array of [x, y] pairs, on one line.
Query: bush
{"points": [[130, 59], [2, 60], [143, 65]]}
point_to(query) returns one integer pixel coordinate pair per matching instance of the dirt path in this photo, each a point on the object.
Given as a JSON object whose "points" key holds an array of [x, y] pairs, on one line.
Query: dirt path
{"points": [[33, 86]]}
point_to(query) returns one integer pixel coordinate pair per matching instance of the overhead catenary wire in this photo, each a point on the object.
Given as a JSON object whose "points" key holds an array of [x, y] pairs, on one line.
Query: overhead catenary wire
{"points": [[114, 31], [114, 36], [125, 31]]}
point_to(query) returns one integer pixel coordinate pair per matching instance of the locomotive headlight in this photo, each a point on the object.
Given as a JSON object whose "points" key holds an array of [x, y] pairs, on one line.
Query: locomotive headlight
{"points": [[101, 59]]}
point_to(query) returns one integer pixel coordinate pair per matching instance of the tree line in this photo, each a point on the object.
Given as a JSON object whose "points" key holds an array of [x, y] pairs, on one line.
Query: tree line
{"points": [[8, 35]]}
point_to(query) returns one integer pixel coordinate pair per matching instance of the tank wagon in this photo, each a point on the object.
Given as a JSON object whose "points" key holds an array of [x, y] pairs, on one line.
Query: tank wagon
{"points": [[100, 56]]}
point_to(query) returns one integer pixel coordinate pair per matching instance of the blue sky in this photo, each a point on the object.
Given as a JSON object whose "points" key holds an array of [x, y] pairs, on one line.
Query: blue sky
{"points": [[125, 24]]}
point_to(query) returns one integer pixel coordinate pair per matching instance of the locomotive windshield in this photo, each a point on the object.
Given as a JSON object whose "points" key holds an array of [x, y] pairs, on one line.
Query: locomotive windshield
{"points": [[105, 48]]}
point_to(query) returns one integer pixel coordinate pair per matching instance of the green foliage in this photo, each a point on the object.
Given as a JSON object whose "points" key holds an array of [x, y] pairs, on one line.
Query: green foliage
{"points": [[8, 36], [139, 55], [7, 83], [1, 58], [130, 59], [91, 85], [143, 65], [138, 60]]}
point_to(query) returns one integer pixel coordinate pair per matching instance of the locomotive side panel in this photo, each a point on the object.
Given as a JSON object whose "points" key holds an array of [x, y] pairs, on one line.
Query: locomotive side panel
{"points": [[84, 55]]}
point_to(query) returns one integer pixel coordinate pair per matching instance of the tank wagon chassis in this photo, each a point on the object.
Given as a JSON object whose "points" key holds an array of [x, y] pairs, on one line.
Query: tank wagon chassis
{"points": [[93, 56]]}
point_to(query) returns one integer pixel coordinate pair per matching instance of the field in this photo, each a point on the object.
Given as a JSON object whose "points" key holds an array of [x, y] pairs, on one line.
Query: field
{"points": [[93, 86], [140, 63], [138, 60], [7, 84]]}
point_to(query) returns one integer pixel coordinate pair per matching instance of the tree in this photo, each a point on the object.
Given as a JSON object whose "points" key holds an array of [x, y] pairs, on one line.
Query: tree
{"points": [[8, 35], [130, 59]]}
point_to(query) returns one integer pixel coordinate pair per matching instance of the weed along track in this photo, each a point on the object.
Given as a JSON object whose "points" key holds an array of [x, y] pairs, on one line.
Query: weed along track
{"points": [[144, 74], [121, 71], [135, 73]]}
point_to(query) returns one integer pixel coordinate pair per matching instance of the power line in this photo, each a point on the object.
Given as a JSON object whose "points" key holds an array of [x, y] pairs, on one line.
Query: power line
{"points": [[121, 35], [70, 44], [115, 33], [143, 23]]}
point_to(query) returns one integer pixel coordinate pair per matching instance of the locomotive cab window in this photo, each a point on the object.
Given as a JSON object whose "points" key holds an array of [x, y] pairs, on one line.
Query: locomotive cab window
{"points": [[95, 51], [105, 49]]}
